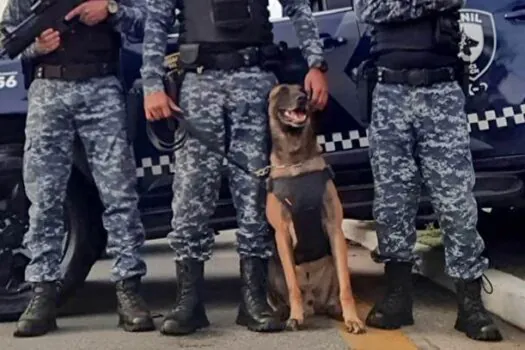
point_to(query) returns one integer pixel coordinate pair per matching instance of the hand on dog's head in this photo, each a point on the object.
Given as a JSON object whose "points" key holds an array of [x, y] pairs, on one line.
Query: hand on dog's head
{"points": [[289, 107]]}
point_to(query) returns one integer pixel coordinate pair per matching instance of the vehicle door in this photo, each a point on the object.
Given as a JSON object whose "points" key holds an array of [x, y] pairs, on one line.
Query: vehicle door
{"points": [[494, 47]]}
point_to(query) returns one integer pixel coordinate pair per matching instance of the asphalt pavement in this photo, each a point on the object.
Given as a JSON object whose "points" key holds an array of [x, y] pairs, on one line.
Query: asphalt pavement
{"points": [[88, 321]]}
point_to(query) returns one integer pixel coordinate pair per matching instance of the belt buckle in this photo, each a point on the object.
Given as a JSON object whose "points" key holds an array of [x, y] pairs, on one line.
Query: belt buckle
{"points": [[40, 72], [223, 61], [417, 77], [249, 56]]}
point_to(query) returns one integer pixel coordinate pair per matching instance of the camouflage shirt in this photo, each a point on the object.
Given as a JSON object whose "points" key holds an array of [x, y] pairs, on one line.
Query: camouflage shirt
{"points": [[128, 20], [161, 16], [387, 11]]}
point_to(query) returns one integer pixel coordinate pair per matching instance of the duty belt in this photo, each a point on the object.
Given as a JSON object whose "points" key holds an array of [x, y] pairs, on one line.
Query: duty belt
{"points": [[249, 57], [75, 72], [414, 77]]}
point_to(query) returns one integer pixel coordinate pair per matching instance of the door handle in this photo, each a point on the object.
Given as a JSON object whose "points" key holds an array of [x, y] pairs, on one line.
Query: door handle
{"points": [[518, 14], [329, 42]]}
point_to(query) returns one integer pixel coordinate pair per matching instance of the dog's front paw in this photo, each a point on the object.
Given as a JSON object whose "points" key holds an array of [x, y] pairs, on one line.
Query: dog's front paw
{"points": [[352, 321], [296, 319], [355, 325], [292, 325]]}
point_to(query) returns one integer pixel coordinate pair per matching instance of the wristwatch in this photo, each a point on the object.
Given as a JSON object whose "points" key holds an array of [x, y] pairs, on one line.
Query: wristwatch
{"points": [[112, 7], [321, 65]]}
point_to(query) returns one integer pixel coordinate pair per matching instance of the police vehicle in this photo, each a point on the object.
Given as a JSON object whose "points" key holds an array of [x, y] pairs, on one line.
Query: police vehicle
{"points": [[492, 45]]}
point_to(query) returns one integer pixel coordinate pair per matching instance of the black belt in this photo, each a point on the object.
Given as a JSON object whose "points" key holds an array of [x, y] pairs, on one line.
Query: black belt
{"points": [[75, 71], [249, 57], [415, 77]]}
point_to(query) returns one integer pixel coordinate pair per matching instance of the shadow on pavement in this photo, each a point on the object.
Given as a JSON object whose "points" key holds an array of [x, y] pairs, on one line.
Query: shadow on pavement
{"points": [[160, 246], [98, 297]]}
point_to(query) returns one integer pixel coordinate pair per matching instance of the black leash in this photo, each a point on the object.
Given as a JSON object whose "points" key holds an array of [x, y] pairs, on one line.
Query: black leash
{"points": [[259, 174]]}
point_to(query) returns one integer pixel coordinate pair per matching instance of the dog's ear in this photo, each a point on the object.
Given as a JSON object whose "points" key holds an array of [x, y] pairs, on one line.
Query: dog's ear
{"points": [[274, 92], [273, 96]]}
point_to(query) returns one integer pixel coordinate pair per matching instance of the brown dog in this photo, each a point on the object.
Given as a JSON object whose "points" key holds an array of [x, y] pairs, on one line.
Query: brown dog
{"points": [[311, 274]]}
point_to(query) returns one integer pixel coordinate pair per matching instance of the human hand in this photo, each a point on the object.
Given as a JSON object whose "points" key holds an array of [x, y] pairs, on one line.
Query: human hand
{"points": [[316, 85], [91, 12], [159, 105], [47, 42]]}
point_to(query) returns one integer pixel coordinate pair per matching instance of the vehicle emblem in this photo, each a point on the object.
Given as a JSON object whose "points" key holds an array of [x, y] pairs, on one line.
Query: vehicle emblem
{"points": [[478, 41]]}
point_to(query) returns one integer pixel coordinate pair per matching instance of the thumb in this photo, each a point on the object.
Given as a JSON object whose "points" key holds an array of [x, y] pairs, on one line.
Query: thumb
{"points": [[75, 12], [308, 85], [174, 106]]}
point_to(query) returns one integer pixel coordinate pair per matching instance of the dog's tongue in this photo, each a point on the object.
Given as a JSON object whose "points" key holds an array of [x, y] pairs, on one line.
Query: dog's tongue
{"points": [[295, 116]]}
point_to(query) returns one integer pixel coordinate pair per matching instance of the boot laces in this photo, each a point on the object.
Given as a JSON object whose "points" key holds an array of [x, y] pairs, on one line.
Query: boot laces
{"points": [[131, 297], [484, 282], [186, 296], [36, 303], [473, 301]]}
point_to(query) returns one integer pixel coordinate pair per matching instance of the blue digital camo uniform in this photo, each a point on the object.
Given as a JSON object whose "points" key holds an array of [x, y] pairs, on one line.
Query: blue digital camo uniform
{"points": [[95, 110], [242, 95], [421, 135]]}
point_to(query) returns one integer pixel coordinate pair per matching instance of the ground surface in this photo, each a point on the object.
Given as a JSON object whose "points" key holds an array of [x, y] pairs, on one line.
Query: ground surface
{"points": [[88, 321]]}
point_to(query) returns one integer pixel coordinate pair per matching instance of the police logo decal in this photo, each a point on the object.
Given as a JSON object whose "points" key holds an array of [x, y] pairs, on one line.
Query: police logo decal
{"points": [[478, 43]]}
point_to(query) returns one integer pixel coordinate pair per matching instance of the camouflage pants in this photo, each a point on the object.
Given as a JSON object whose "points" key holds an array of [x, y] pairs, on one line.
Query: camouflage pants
{"points": [[420, 135], [218, 103], [95, 111]]}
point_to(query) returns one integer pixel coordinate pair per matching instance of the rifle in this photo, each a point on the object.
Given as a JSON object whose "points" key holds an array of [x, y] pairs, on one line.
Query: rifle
{"points": [[45, 14]]}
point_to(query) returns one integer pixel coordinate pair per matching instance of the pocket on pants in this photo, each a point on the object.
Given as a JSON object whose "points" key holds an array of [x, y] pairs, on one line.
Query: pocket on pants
{"points": [[27, 144], [28, 172]]}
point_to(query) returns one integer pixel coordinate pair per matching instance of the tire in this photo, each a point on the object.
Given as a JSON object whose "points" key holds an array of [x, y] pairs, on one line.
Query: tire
{"points": [[84, 242], [502, 228]]}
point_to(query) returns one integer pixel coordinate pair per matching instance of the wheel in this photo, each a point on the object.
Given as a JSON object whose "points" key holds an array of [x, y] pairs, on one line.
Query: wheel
{"points": [[85, 237], [502, 229]]}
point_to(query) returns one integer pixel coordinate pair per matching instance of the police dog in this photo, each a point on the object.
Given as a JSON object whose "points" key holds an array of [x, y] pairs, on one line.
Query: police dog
{"points": [[311, 274]]}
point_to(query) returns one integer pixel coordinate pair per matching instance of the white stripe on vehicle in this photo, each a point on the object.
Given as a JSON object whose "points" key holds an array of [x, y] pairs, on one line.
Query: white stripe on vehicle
{"points": [[355, 139]]}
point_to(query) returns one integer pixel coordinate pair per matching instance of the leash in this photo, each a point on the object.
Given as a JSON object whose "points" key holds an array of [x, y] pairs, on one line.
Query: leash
{"points": [[259, 174], [193, 131]]}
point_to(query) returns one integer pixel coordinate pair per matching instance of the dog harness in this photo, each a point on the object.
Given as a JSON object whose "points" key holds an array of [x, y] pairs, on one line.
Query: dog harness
{"points": [[303, 196]]}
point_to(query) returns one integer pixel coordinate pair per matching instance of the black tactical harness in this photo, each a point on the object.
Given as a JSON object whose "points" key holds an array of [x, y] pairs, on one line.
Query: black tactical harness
{"points": [[226, 35], [428, 42], [303, 196], [85, 52], [218, 22]]}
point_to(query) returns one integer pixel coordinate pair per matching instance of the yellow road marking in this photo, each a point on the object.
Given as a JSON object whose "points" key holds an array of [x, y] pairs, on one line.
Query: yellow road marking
{"points": [[374, 339]]}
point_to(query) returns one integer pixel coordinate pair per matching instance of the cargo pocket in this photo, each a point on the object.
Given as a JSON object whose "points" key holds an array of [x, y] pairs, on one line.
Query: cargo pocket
{"points": [[28, 171]]}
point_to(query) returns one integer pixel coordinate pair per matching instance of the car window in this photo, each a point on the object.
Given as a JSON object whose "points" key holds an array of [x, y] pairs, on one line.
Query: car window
{"points": [[276, 10], [337, 4], [325, 5]]}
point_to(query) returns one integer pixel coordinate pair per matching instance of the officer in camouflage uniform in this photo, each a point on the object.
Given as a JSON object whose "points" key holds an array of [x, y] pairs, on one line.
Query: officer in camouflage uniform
{"points": [[225, 89], [419, 134], [76, 91]]}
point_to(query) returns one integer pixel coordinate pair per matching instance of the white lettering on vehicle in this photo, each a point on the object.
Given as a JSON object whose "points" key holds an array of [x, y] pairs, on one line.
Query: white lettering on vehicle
{"points": [[478, 46], [8, 80]]}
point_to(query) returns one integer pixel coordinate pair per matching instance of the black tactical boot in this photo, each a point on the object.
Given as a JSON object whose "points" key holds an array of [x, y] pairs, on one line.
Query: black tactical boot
{"points": [[188, 314], [254, 311], [395, 309], [39, 316], [473, 319], [134, 315]]}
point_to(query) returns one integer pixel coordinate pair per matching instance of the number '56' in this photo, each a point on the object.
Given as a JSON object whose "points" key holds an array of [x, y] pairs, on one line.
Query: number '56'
{"points": [[8, 81]]}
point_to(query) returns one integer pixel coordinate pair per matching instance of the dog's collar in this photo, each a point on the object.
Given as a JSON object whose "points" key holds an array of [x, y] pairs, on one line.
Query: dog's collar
{"points": [[266, 170]]}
